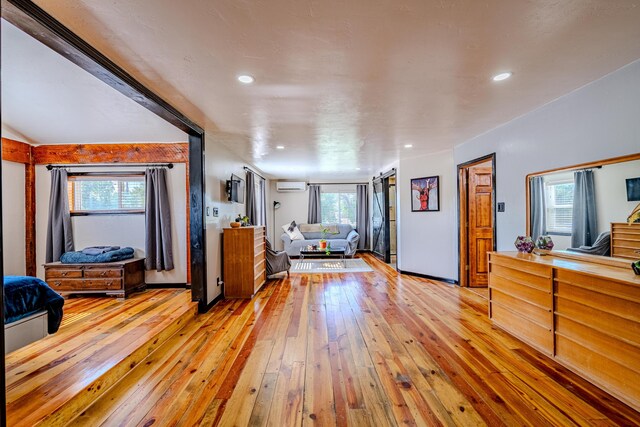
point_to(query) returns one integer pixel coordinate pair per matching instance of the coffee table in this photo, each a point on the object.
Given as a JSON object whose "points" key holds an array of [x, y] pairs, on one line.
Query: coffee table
{"points": [[335, 251]]}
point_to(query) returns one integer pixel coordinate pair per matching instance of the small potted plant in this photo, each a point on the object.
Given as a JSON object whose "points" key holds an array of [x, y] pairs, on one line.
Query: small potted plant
{"points": [[322, 244], [245, 221]]}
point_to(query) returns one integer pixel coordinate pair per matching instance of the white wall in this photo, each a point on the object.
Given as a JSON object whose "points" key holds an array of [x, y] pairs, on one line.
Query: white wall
{"points": [[120, 230], [13, 218], [595, 122], [294, 206], [220, 164], [427, 240]]}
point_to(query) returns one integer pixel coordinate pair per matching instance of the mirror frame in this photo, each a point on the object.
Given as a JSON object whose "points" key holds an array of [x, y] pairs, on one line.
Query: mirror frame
{"points": [[613, 160]]}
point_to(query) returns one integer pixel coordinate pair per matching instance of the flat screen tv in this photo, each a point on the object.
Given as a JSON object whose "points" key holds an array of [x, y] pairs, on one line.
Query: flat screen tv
{"points": [[633, 189], [235, 189]]}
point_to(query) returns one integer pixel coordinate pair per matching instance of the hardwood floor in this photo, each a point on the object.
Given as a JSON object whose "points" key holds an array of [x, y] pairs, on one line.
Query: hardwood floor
{"points": [[51, 381], [351, 349]]}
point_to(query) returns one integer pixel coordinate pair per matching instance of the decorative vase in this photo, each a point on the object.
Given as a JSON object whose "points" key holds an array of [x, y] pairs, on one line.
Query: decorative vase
{"points": [[544, 242], [234, 224], [524, 244], [322, 244], [636, 267]]}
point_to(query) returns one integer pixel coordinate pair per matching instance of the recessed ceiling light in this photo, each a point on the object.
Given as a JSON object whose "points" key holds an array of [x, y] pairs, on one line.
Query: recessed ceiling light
{"points": [[357, 169], [280, 147], [408, 145], [246, 79], [502, 76]]}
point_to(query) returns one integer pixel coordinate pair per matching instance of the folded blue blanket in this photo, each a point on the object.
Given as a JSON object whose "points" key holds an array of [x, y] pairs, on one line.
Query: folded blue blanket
{"points": [[97, 250], [24, 296], [80, 258]]}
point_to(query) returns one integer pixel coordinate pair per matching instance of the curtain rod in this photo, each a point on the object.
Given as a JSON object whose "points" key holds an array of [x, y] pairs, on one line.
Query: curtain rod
{"points": [[116, 165], [338, 183], [254, 172]]}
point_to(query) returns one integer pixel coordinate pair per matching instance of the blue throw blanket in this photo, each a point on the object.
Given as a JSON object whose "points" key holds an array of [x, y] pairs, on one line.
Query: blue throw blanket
{"points": [[24, 296], [80, 258]]}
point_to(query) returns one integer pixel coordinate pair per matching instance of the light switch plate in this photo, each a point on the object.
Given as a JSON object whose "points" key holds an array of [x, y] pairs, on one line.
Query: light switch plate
{"points": [[500, 206]]}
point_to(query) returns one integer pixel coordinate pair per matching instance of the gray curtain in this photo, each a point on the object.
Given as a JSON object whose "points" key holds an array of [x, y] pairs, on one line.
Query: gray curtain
{"points": [[59, 233], [263, 202], [252, 209], [315, 212], [584, 222], [362, 215], [538, 208], [159, 246]]}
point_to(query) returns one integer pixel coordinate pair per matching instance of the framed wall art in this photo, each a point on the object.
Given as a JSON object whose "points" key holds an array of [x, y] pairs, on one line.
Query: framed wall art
{"points": [[425, 194]]}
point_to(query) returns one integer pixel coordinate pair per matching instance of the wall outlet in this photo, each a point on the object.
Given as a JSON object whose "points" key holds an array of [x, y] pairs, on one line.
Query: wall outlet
{"points": [[215, 212], [500, 206]]}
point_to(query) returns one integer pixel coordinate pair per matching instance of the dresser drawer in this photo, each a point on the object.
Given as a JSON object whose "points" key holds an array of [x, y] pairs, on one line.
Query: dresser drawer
{"points": [[102, 273], [60, 273]]}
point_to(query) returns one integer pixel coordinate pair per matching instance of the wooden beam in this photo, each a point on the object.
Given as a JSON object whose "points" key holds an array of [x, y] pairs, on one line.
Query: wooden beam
{"points": [[16, 151], [188, 213], [30, 219], [196, 221], [111, 153]]}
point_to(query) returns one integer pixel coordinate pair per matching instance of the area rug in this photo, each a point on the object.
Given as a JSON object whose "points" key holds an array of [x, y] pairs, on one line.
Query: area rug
{"points": [[330, 265]]}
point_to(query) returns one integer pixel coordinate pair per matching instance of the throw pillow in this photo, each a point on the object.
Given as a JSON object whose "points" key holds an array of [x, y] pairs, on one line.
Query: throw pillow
{"points": [[294, 234]]}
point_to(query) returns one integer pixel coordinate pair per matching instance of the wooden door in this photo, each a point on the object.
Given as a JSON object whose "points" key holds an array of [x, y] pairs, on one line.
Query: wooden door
{"points": [[480, 229]]}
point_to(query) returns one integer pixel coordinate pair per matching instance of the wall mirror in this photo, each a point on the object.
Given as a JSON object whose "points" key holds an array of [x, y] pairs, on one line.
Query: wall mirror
{"points": [[584, 208]]}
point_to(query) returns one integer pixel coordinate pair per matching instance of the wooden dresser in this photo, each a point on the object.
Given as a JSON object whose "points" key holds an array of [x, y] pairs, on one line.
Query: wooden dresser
{"points": [[112, 278], [244, 261], [625, 240], [581, 310]]}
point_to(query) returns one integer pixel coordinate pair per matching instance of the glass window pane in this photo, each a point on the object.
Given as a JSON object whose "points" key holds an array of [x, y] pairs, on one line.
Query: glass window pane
{"points": [[106, 193]]}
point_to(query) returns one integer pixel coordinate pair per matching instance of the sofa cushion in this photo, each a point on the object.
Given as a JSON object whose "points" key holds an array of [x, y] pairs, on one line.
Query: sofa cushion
{"points": [[343, 232]]}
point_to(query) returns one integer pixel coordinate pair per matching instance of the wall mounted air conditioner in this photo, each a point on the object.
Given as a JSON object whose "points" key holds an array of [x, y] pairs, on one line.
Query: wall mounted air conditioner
{"points": [[290, 186]]}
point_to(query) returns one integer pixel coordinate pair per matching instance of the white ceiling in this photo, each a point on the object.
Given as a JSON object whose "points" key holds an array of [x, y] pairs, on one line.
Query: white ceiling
{"points": [[346, 84], [49, 100]]}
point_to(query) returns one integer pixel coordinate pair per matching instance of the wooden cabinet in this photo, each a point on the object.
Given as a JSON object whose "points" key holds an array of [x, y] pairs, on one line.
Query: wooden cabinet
{"points": [[112, 278], [580, 310], [625, 240], [244, 262]]}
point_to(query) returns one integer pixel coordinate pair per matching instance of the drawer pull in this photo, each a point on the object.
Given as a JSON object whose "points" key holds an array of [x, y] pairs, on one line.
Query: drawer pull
{"points": [[57, 283], [104, 273], [64, 273]]}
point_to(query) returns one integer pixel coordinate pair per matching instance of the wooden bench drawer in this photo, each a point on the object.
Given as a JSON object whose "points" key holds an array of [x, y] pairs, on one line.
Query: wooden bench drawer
{"points": [[68, 274], [102, 273], [84, 284]]}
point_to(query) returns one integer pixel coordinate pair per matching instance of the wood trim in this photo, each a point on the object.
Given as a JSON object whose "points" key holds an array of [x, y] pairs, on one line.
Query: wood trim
{"points": [[463, 217], [462, 201], [599, 163], [198, 237], [188, 217], [30, 219], [111, 153], [16, 151]]}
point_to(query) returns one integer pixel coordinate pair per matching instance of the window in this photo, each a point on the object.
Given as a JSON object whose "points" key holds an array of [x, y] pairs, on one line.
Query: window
{"points": [[106, 193], [338, 207], [559, 196]]}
